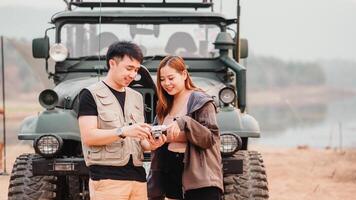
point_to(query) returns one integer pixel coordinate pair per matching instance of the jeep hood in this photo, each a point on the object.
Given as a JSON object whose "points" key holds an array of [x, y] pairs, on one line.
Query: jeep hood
{"points": [[68, 90]]}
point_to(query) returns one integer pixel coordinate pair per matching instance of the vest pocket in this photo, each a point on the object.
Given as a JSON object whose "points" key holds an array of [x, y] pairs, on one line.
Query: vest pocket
{"points": [[137, 118], [105, 100], [95, 153], [109, 118], [138, 150], [114, 150]]}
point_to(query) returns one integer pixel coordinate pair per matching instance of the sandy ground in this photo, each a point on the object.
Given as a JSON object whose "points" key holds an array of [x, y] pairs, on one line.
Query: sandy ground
{"points": [[293, 173], [303, 173]]}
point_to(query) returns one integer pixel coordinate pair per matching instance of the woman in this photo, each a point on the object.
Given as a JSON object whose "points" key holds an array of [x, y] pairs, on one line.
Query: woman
{"points": [[189, 165]]}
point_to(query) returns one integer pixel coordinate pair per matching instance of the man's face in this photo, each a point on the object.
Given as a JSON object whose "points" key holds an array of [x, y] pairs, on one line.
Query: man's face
{"points": [[124, 70]]}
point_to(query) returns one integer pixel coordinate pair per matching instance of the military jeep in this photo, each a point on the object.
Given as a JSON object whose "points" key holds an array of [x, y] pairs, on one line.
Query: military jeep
{"points": [[212, 49]]}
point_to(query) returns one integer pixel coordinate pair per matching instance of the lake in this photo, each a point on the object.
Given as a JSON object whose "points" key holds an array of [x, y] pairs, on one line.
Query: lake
{"points": [[316, 125]]}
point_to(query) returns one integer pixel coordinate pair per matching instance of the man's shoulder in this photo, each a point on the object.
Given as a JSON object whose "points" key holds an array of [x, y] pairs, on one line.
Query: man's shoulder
{"points": [[96, 86], [85, 92], [133, 92]]}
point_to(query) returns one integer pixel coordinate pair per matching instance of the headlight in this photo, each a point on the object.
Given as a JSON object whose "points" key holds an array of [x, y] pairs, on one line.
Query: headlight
{"points": [[58, 52], [48, 99], [227, 95], [48, 145], [138, 77], [230, 143]]}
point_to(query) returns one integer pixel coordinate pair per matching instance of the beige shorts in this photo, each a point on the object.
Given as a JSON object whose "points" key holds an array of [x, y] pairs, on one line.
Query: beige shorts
{"points": [[108, 189]]}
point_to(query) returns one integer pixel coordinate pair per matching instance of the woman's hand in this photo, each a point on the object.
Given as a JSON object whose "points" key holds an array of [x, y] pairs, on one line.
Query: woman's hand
{"points": [[155, 143], [173, 131]]}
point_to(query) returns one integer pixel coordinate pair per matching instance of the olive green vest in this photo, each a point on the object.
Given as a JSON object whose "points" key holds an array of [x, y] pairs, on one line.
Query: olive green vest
{"points": [[110, 116]]}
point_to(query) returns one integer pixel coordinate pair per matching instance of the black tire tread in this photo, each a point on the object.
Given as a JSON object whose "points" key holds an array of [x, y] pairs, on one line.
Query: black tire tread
{"points": [[23, 185], [250, 185], [74, 187]]}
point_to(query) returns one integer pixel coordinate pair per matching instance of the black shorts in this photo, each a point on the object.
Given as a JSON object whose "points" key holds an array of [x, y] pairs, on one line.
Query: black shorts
{"points": [[206, 193]]}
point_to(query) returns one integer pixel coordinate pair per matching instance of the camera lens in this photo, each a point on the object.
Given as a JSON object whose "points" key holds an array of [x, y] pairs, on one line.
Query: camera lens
{"points": [[156, 136]]}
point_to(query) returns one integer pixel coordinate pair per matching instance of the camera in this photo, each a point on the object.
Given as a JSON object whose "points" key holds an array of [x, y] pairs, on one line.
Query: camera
{"points": [[158, 130]]}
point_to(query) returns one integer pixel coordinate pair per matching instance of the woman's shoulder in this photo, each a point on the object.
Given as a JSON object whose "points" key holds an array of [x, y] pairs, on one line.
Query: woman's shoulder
{"points": [[197, 100], [199, 95]]}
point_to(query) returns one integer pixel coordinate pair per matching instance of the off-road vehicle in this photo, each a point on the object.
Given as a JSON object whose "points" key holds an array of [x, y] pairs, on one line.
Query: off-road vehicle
{"points": [[211, 47]]}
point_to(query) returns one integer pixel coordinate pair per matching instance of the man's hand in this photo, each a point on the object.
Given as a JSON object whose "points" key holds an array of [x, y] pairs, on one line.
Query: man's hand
{"points": [[155, 143], [140, 130]]}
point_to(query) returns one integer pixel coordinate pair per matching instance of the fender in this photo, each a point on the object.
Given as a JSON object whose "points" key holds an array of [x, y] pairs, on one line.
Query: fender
{"points": [[231, 120], [61, 122]]}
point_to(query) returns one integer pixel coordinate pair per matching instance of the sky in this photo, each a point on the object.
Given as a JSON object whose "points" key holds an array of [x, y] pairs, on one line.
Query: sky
{"points": [[305, 30]]}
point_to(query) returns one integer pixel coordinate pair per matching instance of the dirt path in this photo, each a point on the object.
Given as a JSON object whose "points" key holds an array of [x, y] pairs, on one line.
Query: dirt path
{"points": [[310, 173]]}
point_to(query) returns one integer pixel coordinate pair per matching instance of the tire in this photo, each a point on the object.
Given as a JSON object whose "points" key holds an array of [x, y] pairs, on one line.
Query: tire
{"points": [[23, 185], [75, 188], [252, 184]]}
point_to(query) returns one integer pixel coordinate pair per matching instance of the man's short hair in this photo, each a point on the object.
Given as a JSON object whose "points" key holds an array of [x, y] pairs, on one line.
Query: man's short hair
{"points": [[123, 48]]}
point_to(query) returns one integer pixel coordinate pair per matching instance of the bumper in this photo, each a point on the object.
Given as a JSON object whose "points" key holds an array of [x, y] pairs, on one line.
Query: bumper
{"points": [[65, 166], [232, 165], [76, 166], [59, 167]]}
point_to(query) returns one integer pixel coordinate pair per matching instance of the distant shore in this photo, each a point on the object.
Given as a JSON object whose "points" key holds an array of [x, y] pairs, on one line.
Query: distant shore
{"points": [[297, 95]]}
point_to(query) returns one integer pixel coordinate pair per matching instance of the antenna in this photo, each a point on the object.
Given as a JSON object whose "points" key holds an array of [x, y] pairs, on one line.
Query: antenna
{"points": [[68, 4], [99, 42], [3, 101], [238, 31]]}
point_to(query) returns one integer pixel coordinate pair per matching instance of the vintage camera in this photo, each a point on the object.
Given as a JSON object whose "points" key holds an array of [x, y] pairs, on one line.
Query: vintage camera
{"points": [[158, 130]]}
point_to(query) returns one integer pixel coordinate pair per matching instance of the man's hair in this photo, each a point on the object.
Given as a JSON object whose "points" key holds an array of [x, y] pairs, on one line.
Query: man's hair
{"points": [[123, 48]]}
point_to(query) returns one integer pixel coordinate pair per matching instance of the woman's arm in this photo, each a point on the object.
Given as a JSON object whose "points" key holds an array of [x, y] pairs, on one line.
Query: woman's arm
{"points": [[180, 137], [202, 131]]}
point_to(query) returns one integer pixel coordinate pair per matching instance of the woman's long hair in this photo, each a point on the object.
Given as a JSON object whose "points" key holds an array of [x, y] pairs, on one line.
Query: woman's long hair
{"points": [[165, 101]]}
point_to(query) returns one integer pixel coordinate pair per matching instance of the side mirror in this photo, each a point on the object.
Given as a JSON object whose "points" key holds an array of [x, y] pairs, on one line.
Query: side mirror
{"points": [[243, 48], [40, 47]]}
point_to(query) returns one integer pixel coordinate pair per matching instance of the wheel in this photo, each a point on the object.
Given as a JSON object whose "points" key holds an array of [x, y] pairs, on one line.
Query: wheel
{"points": [[77, 188], [252, 184], [23, 185]]}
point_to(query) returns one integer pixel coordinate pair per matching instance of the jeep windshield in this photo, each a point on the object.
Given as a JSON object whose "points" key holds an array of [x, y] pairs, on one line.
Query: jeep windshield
{"points": [[186, 40]]}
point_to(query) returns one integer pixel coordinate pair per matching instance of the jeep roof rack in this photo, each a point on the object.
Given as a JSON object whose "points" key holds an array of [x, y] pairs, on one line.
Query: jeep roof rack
{"points": [[119, 3]]}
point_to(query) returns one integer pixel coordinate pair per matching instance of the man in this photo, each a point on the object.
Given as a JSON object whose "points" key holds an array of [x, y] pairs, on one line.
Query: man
{"points": [[112, 131]]}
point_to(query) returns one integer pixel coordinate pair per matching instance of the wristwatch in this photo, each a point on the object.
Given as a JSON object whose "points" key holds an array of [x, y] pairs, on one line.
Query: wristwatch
{"points": [[119, 132]]}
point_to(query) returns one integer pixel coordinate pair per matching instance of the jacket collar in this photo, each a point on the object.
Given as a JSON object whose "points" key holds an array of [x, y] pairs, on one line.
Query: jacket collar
{"points": [[197, 100]]}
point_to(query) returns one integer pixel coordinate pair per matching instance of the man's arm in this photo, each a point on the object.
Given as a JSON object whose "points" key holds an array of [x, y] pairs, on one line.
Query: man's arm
{"points": [[92, 136]]}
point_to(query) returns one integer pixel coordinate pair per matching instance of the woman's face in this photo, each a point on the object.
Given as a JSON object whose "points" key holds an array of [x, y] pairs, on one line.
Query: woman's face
{"points": [[172, 81]]}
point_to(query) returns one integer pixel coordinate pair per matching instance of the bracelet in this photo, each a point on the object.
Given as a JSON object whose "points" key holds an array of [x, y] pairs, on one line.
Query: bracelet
{"points": [[119, 132]]}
